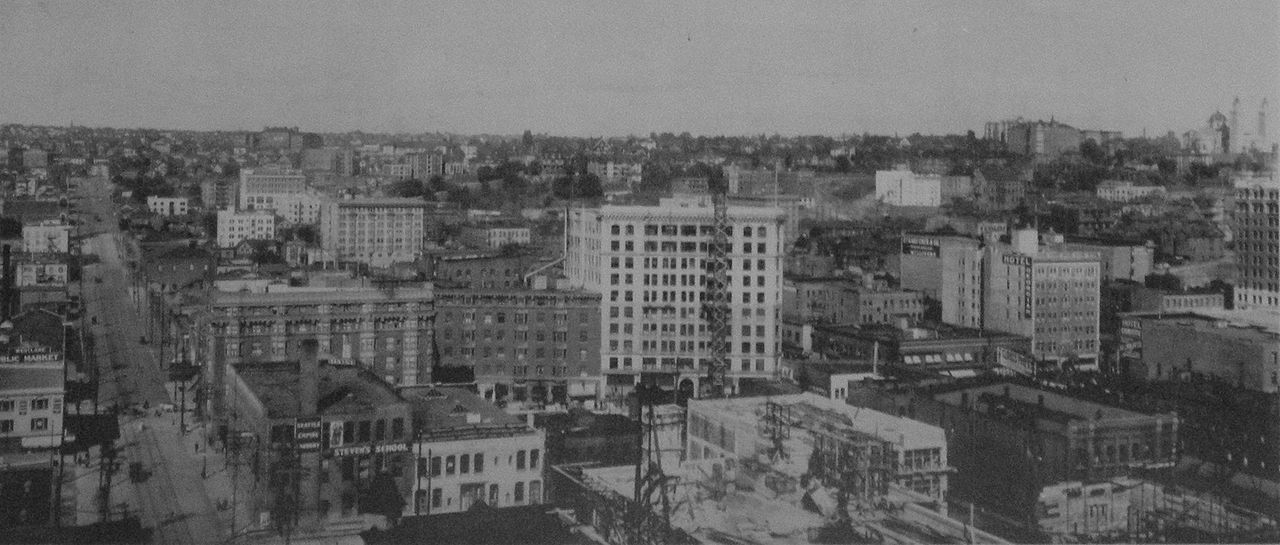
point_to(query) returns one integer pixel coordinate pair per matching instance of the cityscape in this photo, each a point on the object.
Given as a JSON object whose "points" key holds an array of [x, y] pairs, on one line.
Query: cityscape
{"points": [[703, 273]]}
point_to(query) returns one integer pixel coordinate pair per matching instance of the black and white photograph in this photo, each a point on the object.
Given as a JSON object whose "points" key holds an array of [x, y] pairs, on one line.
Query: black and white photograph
{"points": [[703, 272]]}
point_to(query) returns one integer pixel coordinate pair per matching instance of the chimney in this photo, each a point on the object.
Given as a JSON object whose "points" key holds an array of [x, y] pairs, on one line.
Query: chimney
{"points": [[309, 378]]}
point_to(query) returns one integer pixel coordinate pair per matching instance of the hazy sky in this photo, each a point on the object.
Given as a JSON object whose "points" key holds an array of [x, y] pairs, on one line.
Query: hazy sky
{"points": [[616, 68]]}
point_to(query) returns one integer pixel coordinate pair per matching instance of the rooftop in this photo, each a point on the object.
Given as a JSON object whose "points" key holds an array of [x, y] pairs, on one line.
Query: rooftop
{"points": [[1046, 403], [31, 331], [918, 332], [902, 431], [438, 409], [1258, 325], [285, 295], [381, 202], [342, 389]]}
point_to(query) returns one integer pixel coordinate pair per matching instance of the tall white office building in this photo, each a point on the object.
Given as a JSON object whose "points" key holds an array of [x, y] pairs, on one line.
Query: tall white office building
{"points": [[648, 264]]}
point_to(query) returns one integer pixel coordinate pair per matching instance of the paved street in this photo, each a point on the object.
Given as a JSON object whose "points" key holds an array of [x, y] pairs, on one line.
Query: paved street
{"points": [[173, 498]]}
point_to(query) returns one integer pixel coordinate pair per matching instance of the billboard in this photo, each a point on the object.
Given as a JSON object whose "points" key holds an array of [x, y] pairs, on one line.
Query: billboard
{"points": [[306, 434], [921, 245]]}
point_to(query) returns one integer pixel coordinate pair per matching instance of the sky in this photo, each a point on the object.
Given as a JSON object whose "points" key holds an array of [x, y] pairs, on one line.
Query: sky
{"points": [[602, 68]]}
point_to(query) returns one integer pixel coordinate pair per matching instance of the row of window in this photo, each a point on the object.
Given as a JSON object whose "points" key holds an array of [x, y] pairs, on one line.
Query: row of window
{"points": [[37, 424], [518, 336], [463, 464], [37, 404], [685, 230], [470, 494]]}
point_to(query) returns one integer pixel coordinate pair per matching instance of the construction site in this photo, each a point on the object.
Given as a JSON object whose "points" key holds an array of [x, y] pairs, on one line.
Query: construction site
{"points": [[787, 469]]}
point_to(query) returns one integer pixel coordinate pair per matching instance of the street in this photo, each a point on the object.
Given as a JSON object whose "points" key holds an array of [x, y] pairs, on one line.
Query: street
{"points": [[172, 498]]}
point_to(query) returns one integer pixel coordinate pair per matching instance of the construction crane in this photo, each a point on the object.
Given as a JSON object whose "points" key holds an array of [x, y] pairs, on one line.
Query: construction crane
{"points": [[715, 309]]}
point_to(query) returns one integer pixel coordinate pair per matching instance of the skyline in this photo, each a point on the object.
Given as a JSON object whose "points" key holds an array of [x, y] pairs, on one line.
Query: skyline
{"points": [[579, 69]]}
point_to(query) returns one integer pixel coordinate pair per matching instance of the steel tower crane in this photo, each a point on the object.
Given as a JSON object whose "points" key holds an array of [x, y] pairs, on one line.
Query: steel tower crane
{"points": [[715, 308]]}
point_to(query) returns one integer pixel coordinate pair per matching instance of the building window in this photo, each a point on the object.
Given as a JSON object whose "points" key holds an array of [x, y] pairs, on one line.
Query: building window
{"points": [[40, 404], [397, 428], [519, 493], [535, 492], [39, 424], [533, 459], [435, 466], [493, 495], [437, 497], [6, 426], [479, 463], [6, 406], [379, 430], [520, 459], [450, 465]]}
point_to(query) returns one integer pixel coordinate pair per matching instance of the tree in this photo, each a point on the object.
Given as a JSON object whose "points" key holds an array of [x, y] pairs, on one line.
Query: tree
{"points": [[1092, 152], [407, 188], [527, 139], [383, 498], [10, 228], [584, 186]]}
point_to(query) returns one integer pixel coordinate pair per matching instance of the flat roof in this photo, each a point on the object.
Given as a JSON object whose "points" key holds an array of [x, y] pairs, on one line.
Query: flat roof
{"points": [[927, 331], [342, 389], [1067, 408], [285, 295], [437, 408], [902, 431]]}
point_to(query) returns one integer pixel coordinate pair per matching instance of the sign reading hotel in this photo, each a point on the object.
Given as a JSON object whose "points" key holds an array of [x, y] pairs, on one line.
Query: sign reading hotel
{"points": [[921, 245], [1028, 279]]}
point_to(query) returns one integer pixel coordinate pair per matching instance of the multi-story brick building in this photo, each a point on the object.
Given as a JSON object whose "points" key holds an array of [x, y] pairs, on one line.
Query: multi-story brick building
{"points": [[1256, 230], [167, 206], [476, 269], [348, 429], [1010, 440], [495, 236], [948, 269], [648, 265], [282, 191], [385, 330], [377, 232], [841, 301], [525, 347], [1050, 296]]}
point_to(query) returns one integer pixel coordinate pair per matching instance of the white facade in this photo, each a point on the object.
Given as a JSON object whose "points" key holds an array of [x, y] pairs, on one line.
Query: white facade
{"points": [[731, 428], [1121, 191], [647, 263], [167, 206], [46, 237], [906, 188], [283, 191], [502, 471], [1051, 297], [1256, 227], [497, 237], [374, 231], [234, 227]]}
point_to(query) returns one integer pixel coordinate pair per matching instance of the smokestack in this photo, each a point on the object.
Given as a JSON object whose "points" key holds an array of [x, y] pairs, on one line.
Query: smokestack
{"points": [[309, 378]]}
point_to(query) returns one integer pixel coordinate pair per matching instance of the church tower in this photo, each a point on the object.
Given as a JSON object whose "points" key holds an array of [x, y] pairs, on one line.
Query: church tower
{"points": [[1234, 126]]}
